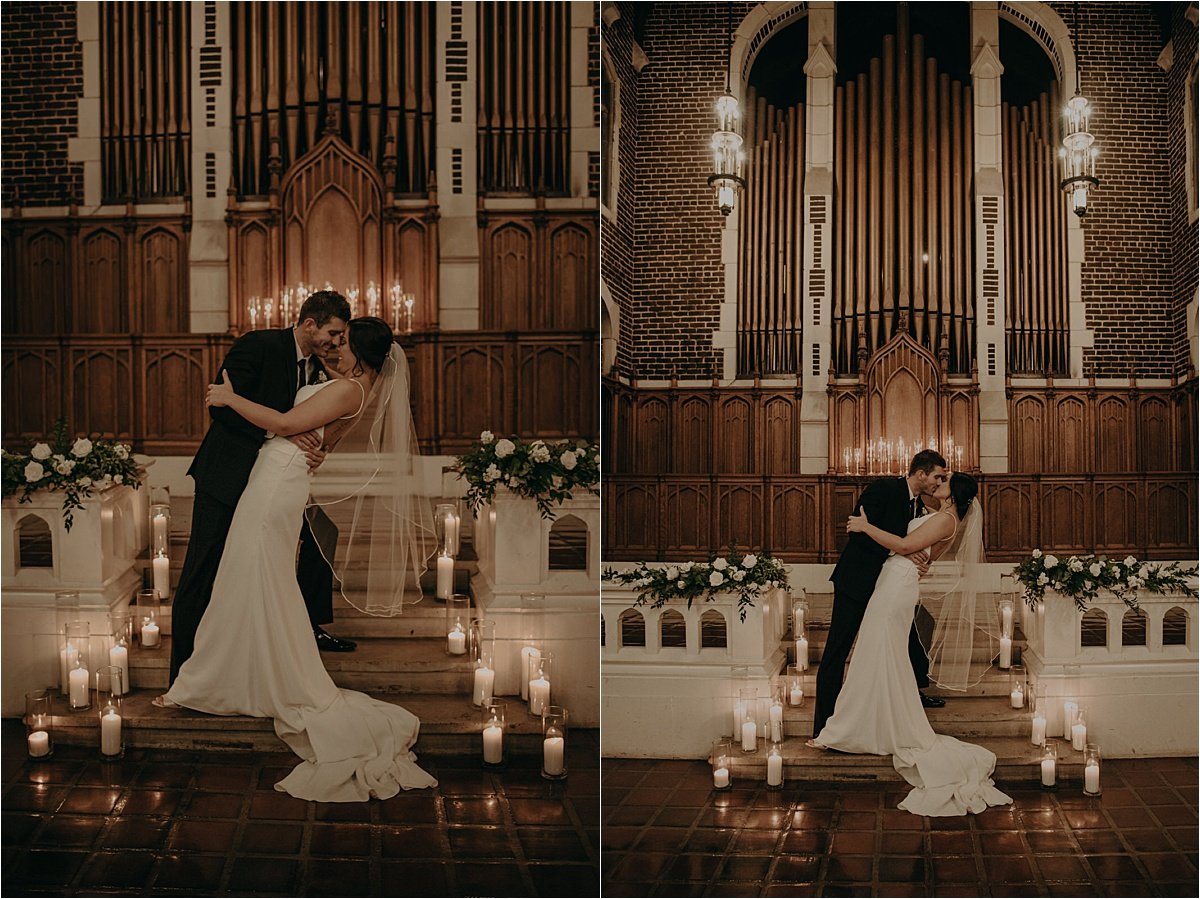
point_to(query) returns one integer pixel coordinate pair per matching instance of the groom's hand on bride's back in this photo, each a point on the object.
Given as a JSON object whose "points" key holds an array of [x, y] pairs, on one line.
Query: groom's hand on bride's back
{"points": [[921, 559], [310, 443]]}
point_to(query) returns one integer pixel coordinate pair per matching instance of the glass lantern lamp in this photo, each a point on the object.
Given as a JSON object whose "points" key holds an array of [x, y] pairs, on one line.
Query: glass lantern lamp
{"points": [[1049, 765], [1017, 687], [539, 686], [799, 613], [447, 524], [775, 765], [1037, 735], [1091, 770], [1079, 730], [120, 627], [492, 715], [160, 529], [458, 623], [748, 729], [554, 742], [801, 638], [110, 686], [533, 626], [39, 724], [66, 610], [721, 759], [79, 640], [146, 618], [483, 657], [794, 685], [775, 712]]}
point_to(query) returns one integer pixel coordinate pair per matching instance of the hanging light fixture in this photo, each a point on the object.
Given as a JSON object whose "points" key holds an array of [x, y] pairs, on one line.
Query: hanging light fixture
{"points": [[726, 141], [1079, 150]]}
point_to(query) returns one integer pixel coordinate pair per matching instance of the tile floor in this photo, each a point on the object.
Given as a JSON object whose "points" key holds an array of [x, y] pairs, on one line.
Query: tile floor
{"points": [[165, 822], [666, 833]]}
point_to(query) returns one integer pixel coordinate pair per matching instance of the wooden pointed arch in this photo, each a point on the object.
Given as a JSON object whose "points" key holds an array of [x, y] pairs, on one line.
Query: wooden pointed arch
{"points": [[902, 391]]}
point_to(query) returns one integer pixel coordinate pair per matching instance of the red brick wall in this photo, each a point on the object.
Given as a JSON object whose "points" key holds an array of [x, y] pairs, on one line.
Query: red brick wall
{"points": [[41, 76], [1183, 235]]}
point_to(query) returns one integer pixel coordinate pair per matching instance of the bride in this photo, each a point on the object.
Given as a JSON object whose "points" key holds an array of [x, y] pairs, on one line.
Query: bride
{"points": [[879, 709], [254, 653]]}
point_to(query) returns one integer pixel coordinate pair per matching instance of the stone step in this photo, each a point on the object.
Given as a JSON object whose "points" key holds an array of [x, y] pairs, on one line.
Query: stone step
{"points": [[425, 617], [1017, 764], [967, 718], [448, 724], [379, 666]]}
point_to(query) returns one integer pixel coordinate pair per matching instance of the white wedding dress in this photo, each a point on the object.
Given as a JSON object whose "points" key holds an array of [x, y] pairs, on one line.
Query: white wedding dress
{"points": [[255, 653], [879, 709]]}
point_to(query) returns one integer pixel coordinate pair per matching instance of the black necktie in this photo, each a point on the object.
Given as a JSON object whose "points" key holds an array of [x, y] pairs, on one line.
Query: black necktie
{"points": [[916, 506], [301, 373]]}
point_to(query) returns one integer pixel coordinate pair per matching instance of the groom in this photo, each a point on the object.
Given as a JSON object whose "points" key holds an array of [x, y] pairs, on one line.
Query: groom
{"points": [[269, 366], [890, 503]]}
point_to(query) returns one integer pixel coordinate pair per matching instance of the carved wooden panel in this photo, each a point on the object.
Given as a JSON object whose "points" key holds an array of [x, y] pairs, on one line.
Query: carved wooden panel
{"points": [[414, 265], [1027, 424], [32, 383], [688, 512], [1171, 516], [475, 382], [1063, 515], [695, 438], [43, 309], [1112, 429], [102, 383], [901, 392], [631, 517], [1153, 434], [781, 435], [735, 450], [572, 272], [794, 519], [739, 514], [557, 396], [1117, 514], [162, 258], [653, 436], [174, 377], [100, 306], [1009, 516]]}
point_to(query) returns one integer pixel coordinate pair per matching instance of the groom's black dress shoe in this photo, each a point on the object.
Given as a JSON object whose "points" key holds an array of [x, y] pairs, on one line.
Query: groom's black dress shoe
{"points": [[931, 702], [330, 643]]}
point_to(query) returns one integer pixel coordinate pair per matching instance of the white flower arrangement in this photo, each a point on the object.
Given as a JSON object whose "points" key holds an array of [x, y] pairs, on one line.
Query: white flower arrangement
{"points": [[547, 473], [1081, 578]]}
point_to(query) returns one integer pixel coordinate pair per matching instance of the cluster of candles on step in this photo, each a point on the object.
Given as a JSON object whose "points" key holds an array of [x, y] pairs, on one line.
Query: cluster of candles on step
{"points": [[396, 306], [759, 714], [1072, 726], [476, 637], [82, 686], [891, 457]]}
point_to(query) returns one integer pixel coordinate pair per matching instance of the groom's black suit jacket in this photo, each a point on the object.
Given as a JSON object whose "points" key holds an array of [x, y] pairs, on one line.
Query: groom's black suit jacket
{"points": [[261, 366], [888, 507]]}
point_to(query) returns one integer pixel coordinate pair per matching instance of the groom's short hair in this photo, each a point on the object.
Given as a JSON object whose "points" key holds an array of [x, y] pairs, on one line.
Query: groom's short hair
{"points": [[926, 460], [323, 305]]}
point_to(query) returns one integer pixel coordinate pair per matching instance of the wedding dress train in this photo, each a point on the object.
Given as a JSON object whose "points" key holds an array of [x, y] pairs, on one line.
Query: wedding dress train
{"points": [[879, 709], [255, 653]]}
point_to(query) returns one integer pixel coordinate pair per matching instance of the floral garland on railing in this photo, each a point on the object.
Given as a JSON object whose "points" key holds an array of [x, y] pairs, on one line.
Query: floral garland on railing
{"points": [[746, 575], [77, 468], [545, 472], [1081, 578]]}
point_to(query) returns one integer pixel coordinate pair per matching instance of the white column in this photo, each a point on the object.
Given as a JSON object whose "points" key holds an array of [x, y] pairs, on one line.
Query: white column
{"points": [[990, 286], [85, 147], [457, 167], [212, 169], [819, 70], [585, 134]]}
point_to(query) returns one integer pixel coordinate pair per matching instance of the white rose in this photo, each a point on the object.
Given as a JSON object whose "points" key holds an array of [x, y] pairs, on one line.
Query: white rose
{"points": [[492, 473], [1115, 571], [1132, 581], [64, 467], [122, 451], [1095, 569], [739, 575], [540, 453], [515, 481], [34, 472], [504, 447], [85, 481], [118, 478], [720, 564], [40, 451], [1043, 578], [679, 584], [1037, 553], [486, 437], [1051, 560], [1130, 561], [749, 561], [1087, 585], [688, 566], [81, 448], [1076, 565], [672, 573], [104, 483], [556, 480], [716, 579], [568, 460], [1144, 572]]}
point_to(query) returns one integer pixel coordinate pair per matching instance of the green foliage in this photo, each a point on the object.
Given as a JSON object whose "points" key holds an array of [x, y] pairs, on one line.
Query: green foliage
{"points": [[76, 467], [548, 473], [1083, 577]]}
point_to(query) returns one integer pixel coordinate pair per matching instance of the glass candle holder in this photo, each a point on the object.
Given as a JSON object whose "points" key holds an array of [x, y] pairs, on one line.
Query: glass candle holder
{"points": [[483, 658], [1006, 617], [775, 719], [721, 760], [1037, 733], [448, 524], [160, 529], [1017, 687], [492, 718], [799, 613], [801, 650], [1079, 730], [66, 610], [445, 575], [748, 729], [539, 685], [1091, 770], [775, 765], [1070, 709], [554, 742], [794, 685], [458, 623], [39, 724], [79, 641], [533, 629], [1049, 765], [110, 686], [160, 567], [738, 675], [120, 627], [146, 618]]}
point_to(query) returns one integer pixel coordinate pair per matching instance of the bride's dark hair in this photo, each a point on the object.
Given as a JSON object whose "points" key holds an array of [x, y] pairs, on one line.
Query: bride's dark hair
{"points": [[963, 489], [370, 340]]}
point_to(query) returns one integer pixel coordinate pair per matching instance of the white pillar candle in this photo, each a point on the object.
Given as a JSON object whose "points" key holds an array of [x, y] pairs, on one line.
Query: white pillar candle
{"points": [[493, 744], [796, 697], [66, 661], [445, 577], [1079, 737], [150, 635], [539, 695], [485, 679], [721, 778], [118, 657], [774, 771], [1048, 772], [797, 620], [1005, 652], [160, 530], [39, 744], [1091, 778], [162, 576], [749, 736], [1070, 710], [776, 722], [1038, 736], [531, 658], [552, 755], [110, 733], [79, 687], [1017, 697], [456, 641], [802, 653]]}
